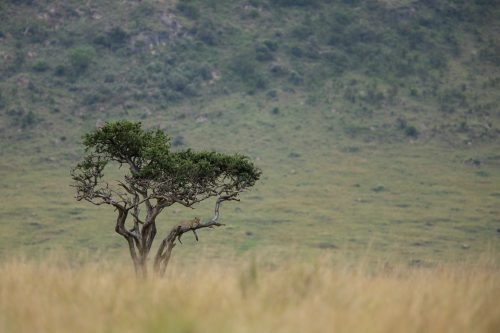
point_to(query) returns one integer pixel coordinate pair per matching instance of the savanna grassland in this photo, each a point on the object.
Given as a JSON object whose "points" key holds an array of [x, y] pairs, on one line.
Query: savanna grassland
{"points": [[376, 125], [52, 296]]}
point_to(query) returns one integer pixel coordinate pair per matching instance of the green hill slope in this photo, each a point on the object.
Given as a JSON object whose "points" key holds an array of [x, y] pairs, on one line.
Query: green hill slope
{"points": [[376, 123]]}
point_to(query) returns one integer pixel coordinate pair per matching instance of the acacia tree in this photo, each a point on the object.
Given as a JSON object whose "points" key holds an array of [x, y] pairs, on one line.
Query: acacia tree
{"points": [[155, 178]]}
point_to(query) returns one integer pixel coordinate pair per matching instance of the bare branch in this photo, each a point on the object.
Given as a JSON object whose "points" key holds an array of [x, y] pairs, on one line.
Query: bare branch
{"points": [[136, 217], [165, 250]]}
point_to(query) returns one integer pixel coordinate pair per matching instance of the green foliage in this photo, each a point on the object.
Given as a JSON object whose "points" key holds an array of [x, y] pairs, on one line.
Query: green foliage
{"points": [[297, 3], [149, 152], [296, 78], [21, 2], [451, 98], [205, 31], [60, 70], [245, 66], [81, 57], [115, 38], [22, 119], [3, 101], [30, 120], [32, 31], [41, 66], [188, 9], [27, 120], [264, 51], [411, 131], [491, 52], [19, 59], [123, 140], [178, 141], [101, 95], [408, 130]]}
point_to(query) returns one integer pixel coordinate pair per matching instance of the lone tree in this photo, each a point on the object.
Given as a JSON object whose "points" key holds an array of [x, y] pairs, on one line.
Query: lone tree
{"points": [[155, 178]]}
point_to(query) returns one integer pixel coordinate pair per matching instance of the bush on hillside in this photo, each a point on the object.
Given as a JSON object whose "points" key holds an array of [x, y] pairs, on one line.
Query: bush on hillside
{"points": [[2, 101], [60, 70], [81, 57], [294, 3], [188, 9], [411, 131], [263, 53], [115, 38], [40, 66], [244, 66]]}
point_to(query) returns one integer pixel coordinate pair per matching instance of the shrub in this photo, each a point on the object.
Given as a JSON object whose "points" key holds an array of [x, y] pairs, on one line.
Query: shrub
{"points": [[302, 31], [263, 53], [411, 131], [29, 120], [178, 141], [177, 81], [101, 40], [109, 78], [117, 36], [21, 2], [2, 101], [490, 52], [259, 82], [19, 59], [294, 3], [206, 32], [60, 70], [243, 65], [81, 57], [188, 9], [296, 78], [35, 31], [92, 98], [271, 45], [452, 97], [272, 94], [40, 66], [277, 69], [112, 39], [296, 51]]}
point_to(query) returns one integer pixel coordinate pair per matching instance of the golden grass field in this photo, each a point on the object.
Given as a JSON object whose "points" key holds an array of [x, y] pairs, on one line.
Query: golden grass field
{"points": [[249, 296]]}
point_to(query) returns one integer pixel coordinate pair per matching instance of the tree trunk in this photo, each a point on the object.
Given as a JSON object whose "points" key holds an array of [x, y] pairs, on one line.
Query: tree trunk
{"points": [[164, 253], [143, 268]]}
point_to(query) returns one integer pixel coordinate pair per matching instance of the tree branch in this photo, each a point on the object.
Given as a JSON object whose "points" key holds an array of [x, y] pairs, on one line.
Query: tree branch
{"points": [[165, 250]]}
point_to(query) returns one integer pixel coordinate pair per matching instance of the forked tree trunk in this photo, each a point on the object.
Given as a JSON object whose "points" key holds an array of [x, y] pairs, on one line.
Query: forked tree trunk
{"points": [[140, 240]]}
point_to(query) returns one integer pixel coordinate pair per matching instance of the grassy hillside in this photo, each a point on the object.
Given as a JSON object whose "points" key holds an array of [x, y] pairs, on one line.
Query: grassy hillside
{"points": [[427, 68], [375, 123]]}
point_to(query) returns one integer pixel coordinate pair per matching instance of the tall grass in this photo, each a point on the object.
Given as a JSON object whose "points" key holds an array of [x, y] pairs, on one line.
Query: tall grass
{"points": [[54, 296]]}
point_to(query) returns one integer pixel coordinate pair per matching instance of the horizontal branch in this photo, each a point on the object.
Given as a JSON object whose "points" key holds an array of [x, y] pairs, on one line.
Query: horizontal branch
{"points": [[178, 230], [166, 246]]}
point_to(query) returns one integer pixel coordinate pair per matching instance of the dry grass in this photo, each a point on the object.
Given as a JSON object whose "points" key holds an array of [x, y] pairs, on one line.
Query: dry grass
{"points": [[53, 296]]}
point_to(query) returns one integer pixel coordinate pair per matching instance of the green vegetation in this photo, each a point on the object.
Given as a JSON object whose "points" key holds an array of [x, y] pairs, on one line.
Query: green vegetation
{"points": [[81, 57], [389, 58], [332, 99]]}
